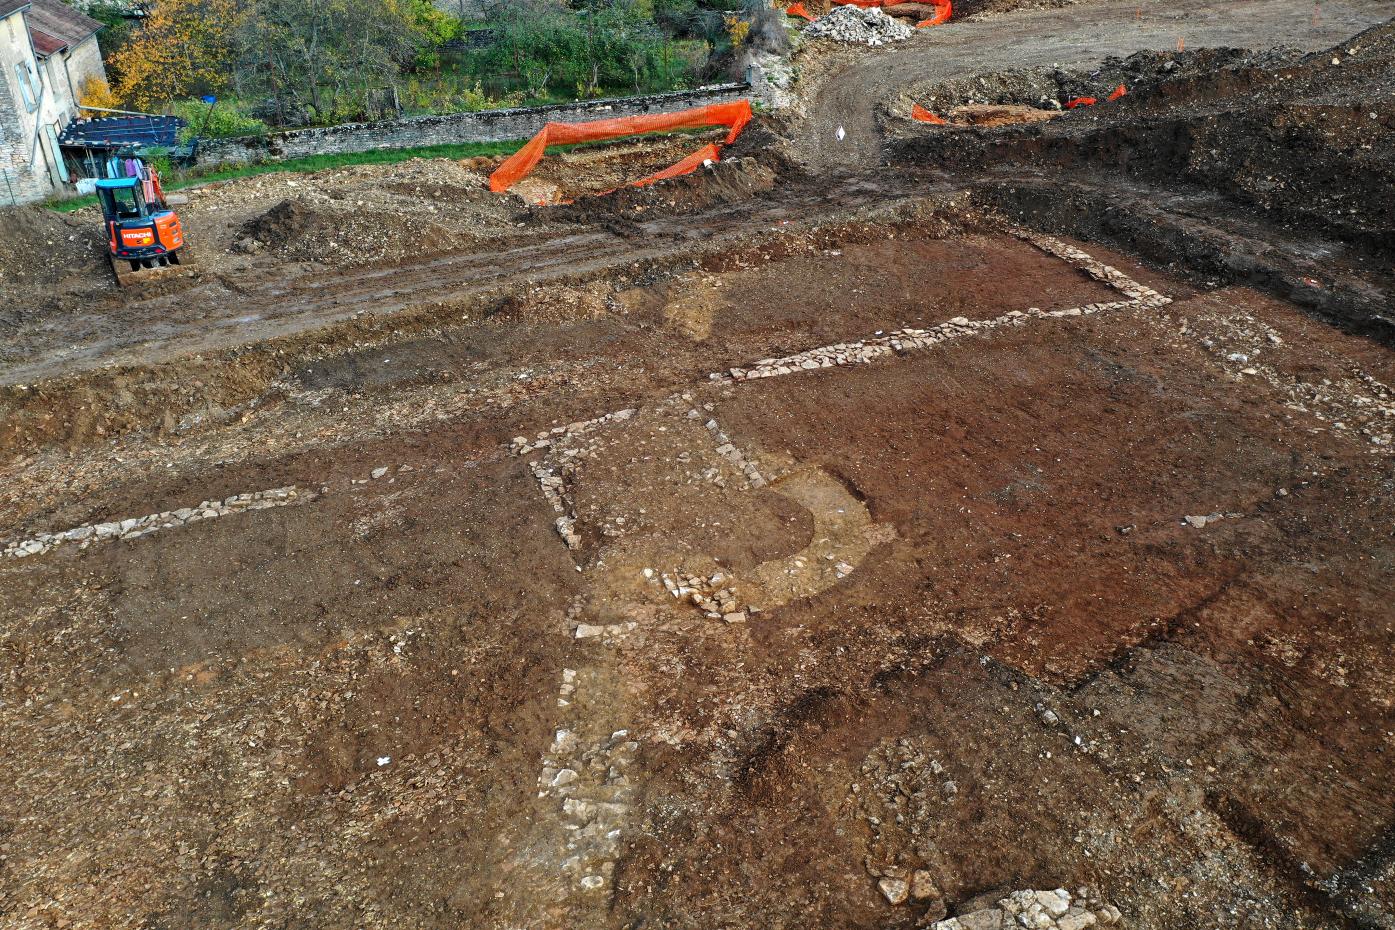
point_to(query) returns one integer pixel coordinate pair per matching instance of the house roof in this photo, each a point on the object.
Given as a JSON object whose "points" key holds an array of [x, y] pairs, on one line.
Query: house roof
{"points": [[45, 44], [56, 22], [9, 7], [122, 132]]}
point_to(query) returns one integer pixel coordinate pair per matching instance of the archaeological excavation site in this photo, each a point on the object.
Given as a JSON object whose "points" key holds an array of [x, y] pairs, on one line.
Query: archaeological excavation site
{"points": [[941, 479]]}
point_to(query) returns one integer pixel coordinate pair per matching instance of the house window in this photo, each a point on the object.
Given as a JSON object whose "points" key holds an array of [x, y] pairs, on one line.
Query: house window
{"points": [[28, 86]]}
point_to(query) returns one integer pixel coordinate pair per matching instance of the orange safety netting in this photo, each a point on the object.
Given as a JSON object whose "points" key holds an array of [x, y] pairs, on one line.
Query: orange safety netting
{"points": [[798, 9], [943, 9], [1081, 102], [925, 116], [942, 14], [1119, 91], [734, 115], [688, 165]]}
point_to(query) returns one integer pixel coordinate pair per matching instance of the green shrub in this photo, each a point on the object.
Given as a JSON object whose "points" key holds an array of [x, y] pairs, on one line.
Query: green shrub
{"points": [[226, 119]]}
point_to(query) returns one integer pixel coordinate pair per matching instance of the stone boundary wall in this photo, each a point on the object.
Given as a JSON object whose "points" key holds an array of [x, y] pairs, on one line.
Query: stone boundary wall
{"points": [[483, 126]]}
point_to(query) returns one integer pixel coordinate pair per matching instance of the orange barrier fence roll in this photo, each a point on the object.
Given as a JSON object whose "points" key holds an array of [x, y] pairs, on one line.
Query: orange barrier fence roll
{"points": [[1081, 102], [1120, 91], [943, 10], [925, 116], [687, 166], [798, 9], [734, 116]]}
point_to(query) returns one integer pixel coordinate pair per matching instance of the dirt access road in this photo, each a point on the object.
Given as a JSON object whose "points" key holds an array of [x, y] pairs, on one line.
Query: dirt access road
{"points": [[1069, 37], [283, 300]]}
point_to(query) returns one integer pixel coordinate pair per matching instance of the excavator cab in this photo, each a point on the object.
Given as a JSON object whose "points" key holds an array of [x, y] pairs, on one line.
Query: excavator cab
{"points": [[142, 231]]}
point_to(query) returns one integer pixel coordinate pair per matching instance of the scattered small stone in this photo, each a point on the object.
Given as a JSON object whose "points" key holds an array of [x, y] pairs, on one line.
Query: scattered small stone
{"points": [[894, 890]]}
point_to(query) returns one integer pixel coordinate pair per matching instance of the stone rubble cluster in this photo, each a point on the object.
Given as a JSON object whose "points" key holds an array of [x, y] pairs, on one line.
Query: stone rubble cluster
{"points": [[133, 527], [1038, 910], [1357, 405], [905, 340], [589, 781], [1106, 274], [859, 26], [552, 477], [727, 450], [606, 631], [1198, 521], [521, 445], [710, 594], [900, 341]]}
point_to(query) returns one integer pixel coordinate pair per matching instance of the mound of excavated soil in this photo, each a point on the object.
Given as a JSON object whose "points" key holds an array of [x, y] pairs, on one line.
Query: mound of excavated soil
{"points": [[728, 181], [349, 216], [593, 169], [280, 226], [1306, 140], [1051, 88], [42, 248], [340, 233], [994, 114]]}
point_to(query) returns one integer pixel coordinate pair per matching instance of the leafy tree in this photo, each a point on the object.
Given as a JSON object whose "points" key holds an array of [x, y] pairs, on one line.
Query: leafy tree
{"points": [[184, 47], [117, 29], [435, 28], [599, 44], [97, 93], [317, 59]]}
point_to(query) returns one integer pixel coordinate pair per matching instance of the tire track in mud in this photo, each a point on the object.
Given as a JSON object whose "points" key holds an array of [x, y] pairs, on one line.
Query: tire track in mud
{"points": [[297, 300]]}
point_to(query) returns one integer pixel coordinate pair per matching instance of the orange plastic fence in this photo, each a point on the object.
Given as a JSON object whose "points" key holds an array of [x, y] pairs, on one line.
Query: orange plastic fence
{"points": [[798, 9], [1119, 91], [734, 116], [687, 166], [925, 116], [943, 9], [1080, 102]]}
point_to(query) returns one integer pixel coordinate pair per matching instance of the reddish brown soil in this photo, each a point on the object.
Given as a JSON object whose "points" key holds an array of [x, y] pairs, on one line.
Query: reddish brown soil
{"points": [[571, 623], [217, 697]]}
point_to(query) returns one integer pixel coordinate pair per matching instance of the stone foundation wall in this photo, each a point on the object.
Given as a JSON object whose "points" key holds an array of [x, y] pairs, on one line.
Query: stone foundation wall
{"points": [[484, 126]]}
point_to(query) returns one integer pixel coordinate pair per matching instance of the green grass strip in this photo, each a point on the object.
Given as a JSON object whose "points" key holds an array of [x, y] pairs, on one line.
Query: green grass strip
{"points": [[309, 164]]}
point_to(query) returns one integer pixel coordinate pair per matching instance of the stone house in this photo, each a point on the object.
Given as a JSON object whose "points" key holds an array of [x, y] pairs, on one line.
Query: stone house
{"points": [[47, 51]]}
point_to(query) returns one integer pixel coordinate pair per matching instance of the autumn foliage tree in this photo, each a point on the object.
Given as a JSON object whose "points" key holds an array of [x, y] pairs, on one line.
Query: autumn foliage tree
{"points": [[184, 47], [96, 93]]}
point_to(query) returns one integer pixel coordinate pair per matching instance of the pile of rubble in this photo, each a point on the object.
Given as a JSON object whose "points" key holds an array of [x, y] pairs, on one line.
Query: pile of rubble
{"points": [[1047, 910], [859, 26], [710, 594]]}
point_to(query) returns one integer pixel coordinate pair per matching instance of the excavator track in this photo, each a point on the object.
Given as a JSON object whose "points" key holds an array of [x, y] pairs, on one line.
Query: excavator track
{"points": [[182, 262]]}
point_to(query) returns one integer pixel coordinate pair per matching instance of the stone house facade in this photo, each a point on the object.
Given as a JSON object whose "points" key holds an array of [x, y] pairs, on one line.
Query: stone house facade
{"points": [[47, 51]]}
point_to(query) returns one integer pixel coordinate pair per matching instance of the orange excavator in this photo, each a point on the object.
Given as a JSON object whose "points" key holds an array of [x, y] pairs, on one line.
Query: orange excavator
{"points": [[143, 232]]}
